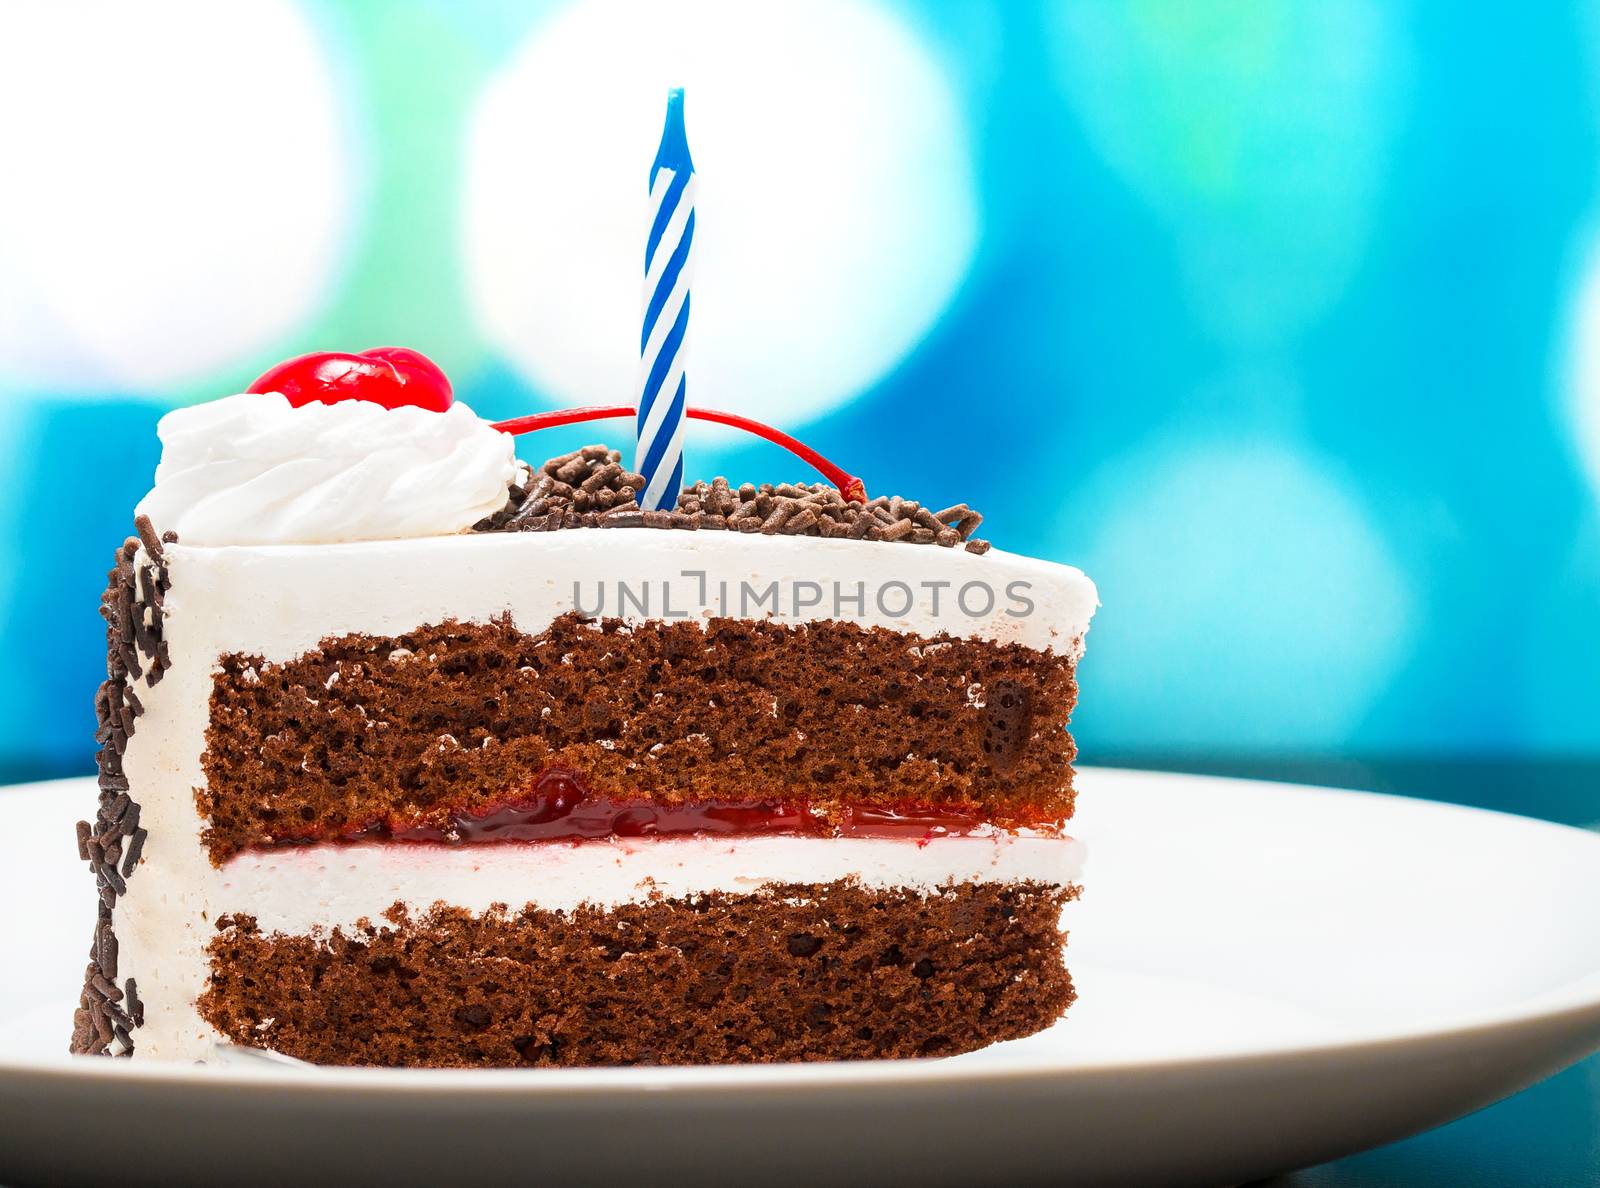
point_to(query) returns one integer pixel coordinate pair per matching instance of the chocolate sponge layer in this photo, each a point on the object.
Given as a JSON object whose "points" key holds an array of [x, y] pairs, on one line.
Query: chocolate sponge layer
{"points": [[457, 717], [806, 972]]}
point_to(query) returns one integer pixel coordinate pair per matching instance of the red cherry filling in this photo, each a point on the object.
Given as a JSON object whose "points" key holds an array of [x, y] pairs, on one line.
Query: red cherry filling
{"points": [[395, 377], [560, 808]]}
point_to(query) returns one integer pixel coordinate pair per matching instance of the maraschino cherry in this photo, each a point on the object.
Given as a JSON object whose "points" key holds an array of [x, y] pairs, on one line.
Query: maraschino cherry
{"points": [[395, 377]]}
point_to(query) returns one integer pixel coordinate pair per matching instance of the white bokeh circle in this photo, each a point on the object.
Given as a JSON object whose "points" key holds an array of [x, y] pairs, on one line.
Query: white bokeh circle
{"points": [[179, 187], [836, 214], [1251, 602]]}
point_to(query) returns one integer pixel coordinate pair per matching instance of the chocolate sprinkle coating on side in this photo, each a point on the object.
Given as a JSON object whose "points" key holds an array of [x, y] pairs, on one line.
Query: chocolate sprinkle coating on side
{"points": [[590, 488], [136, 648], [148, 537]]}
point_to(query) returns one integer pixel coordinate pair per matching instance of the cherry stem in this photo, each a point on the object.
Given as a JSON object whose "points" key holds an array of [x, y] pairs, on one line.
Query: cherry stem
{"points": [[851, 487]]}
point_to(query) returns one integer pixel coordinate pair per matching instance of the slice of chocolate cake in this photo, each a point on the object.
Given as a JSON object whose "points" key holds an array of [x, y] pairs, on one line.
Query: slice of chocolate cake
{"points": [[414, 756]]}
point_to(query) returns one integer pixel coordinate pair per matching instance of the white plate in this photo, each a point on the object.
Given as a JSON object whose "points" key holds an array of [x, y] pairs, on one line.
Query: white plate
{"points": [[1270, 976]]}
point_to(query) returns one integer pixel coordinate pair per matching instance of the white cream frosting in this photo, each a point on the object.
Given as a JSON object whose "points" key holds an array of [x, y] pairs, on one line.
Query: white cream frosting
{"points": [[253, 469], [298, 595], [305, 889], [280, 601]]}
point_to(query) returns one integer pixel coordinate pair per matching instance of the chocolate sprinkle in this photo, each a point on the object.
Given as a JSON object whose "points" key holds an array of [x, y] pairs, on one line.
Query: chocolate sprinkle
{"points": [[136, 648], [148, 537], [135, 849], [590, 488]]}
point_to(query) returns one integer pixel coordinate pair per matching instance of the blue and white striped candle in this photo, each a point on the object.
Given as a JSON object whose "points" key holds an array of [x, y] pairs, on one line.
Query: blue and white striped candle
{"points": [[667, 269]]}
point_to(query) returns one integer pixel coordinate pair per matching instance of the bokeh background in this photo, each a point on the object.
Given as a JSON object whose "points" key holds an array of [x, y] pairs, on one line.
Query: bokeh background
{"points": [[1282, 321]]}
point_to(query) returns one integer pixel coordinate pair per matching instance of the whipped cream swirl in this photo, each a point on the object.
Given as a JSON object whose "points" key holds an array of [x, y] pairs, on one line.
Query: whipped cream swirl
{"points": [[253, 469]]}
